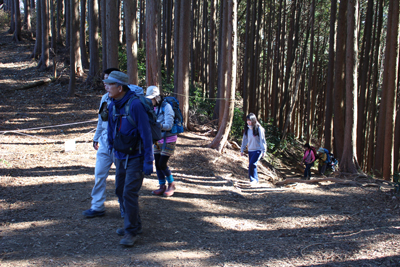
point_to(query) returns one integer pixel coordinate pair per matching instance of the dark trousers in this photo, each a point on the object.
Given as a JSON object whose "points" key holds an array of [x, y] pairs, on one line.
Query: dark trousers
{"points": [[127, 185], [307, 171]]}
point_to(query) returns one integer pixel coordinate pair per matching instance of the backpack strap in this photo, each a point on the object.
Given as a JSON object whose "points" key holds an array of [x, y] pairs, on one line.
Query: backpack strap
{"points": [[127, 114]]}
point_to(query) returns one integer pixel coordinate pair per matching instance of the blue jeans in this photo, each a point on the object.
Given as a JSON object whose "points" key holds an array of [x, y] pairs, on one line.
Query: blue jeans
{"points": [[307, 171], [127, 185], [254, 157]]}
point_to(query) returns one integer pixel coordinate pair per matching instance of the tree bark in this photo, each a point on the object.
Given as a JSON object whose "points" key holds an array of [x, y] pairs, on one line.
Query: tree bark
{"points": [[103, 17], [329, 83], [219, 141], [308, 127], [93, 41], [45, 55], [112, 33], [392, 51], [130, 9], [17, 29], [184, 59], [211, 46], [348, 161], [363, 84], [38, 42], [338, 101], [373, 98], [153, 56], [60, 17], [74, 45], [27, 16], [82, 37]]}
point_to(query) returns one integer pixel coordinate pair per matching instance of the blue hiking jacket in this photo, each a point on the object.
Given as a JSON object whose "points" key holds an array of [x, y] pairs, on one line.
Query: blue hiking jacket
{"points": [[139, 115]]}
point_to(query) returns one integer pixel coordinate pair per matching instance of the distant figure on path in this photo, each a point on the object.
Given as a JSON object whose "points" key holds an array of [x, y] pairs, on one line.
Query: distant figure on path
{"points": [[308, 160], [254, 140]]}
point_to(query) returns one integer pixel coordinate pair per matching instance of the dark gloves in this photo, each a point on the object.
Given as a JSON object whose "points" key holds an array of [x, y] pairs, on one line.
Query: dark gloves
{"points": [[148, 168]]}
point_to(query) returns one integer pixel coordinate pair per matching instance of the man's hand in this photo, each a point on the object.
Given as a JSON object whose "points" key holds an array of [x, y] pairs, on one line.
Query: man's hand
{"points": [[241, 154], [95, 145], [148, 168]]}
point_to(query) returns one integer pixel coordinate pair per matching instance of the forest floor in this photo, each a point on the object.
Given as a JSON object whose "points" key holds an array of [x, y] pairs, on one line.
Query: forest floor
{"points": [[214, 219]]}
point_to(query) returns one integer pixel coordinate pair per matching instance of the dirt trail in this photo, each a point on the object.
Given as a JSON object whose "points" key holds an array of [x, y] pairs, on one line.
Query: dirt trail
{"points": [[214, 219]]}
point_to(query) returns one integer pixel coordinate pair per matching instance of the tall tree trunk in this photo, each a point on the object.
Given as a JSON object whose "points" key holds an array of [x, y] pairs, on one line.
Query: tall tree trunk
{"points": [[310, 76], [177, 23], [153, 56], [392, 52], [329, 83], [112, 33], [184, 59], [363, 84], [348, 161], [103, 17], [373, 98], [53, 28], [17, 32], [130, 9], [142, 23], [94, 66], [38, 42], [74, 45], [338, 101], [211, 46], [60, 17], [67, 23], [219, 141], [12, 15], [44, 59], [292, 103], [27, 16], [168, 51], [82, 37]]}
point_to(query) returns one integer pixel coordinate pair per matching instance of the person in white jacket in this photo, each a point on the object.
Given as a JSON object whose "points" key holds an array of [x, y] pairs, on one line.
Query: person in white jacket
{"points": [[254, 140], [104, 158]]}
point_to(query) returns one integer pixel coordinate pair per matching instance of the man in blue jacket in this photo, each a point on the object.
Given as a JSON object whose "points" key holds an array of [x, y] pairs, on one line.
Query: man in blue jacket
{"points": [[129, 166]]}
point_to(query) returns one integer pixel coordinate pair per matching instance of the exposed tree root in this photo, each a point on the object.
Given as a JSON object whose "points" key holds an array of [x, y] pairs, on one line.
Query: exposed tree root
{"points": [[34, 84]]}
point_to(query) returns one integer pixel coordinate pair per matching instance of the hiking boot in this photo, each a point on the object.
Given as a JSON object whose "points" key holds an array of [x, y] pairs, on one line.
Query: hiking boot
{"points": [[128, 240], [121, 231], [93, 213], [170, 191], [159, 191]]}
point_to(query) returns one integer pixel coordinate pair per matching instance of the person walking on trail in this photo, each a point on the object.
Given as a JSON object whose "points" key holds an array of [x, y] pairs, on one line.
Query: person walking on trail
{"points": [[164, 148], [132, 148], [254, 139], [104, 159], [308, 160], [322, 160]]}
